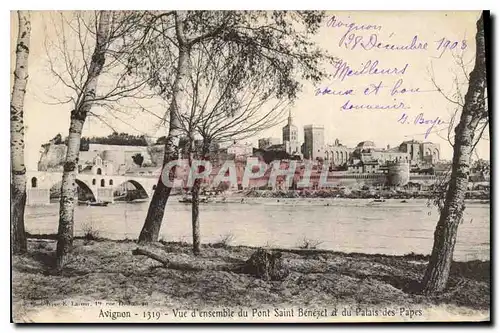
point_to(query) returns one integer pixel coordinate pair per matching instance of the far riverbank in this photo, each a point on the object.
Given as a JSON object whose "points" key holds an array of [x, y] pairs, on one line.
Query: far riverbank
{"points": [[357, 194]]}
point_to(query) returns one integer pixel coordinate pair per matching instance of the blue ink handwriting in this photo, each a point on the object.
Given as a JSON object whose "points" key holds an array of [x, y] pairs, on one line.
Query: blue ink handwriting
{"points": [[396, 89], [371, 89], [353, 38], [446, 44], [353, 41], [369, 68], [350, 106], [420, 120], [328, 91]]}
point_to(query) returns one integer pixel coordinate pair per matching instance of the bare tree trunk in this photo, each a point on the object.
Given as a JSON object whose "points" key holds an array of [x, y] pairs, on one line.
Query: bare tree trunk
{"points": [[78, 116], [18, 169], [151, 229], [195, 204], [195, 216], [445, 235]]}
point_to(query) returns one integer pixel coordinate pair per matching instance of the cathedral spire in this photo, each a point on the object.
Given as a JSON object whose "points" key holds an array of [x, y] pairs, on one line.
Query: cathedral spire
{"points": [[289, 117]]}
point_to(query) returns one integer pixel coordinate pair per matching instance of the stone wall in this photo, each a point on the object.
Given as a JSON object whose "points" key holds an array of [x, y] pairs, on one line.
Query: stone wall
{"points": [[52, 156]]}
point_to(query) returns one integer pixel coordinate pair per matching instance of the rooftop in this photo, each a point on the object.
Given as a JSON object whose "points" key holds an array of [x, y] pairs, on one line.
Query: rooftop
{"points": [[411, 141], [366, 144], [314, 126]]}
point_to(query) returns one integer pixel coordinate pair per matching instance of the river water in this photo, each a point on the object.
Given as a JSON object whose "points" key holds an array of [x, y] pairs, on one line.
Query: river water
{"points": [[348, 225]]}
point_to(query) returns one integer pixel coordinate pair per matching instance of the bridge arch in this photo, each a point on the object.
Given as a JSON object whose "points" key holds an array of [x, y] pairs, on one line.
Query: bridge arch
{"points": [[84, 191], [82, 185], [129, 194]]}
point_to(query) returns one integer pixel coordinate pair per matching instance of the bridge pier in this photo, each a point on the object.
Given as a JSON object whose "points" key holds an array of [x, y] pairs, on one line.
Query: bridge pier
{"points": [[105, 194], [37, 196]]}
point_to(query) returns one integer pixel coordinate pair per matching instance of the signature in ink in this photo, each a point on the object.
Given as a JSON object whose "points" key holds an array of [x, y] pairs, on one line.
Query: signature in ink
{"points": [[421, 120]]}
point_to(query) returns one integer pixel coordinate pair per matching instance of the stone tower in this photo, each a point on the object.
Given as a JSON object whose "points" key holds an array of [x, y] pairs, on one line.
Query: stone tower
{"points": [[290, 135], [314, 142]]}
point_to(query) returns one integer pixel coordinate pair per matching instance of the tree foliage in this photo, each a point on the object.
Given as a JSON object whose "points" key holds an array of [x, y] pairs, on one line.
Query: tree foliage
{"points": [[225, 66], [119, 139]]}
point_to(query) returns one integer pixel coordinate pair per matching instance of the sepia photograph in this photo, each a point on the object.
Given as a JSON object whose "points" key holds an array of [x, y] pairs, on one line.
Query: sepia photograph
{"points": [[250, 166]]}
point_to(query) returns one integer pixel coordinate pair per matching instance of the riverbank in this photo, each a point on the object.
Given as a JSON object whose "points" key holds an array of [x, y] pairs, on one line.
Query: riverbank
{"points": [[107, 270]]}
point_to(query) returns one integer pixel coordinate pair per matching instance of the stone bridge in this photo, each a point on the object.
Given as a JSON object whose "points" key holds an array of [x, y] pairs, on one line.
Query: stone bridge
{"points": [[99, 187]]}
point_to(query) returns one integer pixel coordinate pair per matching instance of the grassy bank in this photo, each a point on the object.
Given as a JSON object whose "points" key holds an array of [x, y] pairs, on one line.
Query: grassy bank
{"points": [[106, 270]]}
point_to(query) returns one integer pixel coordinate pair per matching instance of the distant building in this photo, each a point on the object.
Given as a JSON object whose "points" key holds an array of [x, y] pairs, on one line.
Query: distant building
{"points": [[314, 142], [291, 136], [364, 167], [337, 154], [240, 150], [426, 152], [265, 143], [214, 146], [279, 147], [418, 155], [366, 151]]}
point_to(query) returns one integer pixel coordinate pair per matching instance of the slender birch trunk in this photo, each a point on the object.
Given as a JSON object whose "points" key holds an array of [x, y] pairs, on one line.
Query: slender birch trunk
{"points": [[445, 235], [18, 169], [78, 116], [151, 229]]}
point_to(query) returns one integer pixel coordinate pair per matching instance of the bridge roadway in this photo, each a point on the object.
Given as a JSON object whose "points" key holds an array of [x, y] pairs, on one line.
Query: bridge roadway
{"points": [[101, 187]]}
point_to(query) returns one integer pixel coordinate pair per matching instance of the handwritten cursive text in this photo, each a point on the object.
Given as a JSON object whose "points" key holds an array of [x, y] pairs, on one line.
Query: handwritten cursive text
{"points": [[421, 120], [371, 67], [348, 106]]}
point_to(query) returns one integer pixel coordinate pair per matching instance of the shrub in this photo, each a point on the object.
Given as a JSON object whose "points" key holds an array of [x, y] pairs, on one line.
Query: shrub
{"points": [[224, 241], [307, 243], [89, 233]]}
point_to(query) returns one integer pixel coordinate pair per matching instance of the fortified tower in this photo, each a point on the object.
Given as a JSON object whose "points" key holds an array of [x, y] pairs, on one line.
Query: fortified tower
{"points": [[398, 173], [314, 142]]}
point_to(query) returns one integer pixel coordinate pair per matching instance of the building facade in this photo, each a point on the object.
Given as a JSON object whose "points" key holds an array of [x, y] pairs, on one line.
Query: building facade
{"points": [[337, 154], [421, 152]]}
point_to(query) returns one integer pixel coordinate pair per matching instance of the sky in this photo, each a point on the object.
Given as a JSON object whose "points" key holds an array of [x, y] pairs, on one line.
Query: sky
{"points": [[447, 34]]}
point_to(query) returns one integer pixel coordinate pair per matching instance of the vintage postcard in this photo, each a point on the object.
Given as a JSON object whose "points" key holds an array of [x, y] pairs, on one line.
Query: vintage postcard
{"points": [[250, 166]]}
